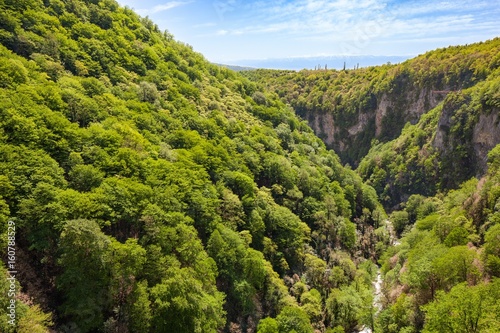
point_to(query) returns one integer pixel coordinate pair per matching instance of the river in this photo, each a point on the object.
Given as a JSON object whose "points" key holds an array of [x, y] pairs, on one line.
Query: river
{"points": [[377, 304], [377, 294]]}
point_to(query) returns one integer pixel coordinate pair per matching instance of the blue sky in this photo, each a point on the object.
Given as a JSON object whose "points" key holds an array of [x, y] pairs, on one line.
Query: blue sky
{"points": [[231, 31]]}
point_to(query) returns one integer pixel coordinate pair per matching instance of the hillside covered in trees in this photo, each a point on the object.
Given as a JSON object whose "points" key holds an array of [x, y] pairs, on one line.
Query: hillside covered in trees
{"points": [[152, 191], [419, 127]]}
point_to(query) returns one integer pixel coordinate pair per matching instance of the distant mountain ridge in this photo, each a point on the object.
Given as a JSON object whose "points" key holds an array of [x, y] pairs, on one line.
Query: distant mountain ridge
{"points": [[319, 62], [236, 68]]}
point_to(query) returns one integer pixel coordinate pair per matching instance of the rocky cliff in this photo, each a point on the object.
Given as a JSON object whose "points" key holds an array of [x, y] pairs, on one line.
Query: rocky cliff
{"points": [[449, 145], [383, 122]]}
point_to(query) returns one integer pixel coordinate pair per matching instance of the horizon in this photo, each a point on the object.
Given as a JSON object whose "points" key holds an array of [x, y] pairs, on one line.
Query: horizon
{"points": [[236, 32], [320, 62]]}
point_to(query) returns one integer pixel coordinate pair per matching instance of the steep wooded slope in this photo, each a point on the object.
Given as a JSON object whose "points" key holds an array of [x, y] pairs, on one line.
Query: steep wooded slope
{"points": [[444, 273], [155, 192]]}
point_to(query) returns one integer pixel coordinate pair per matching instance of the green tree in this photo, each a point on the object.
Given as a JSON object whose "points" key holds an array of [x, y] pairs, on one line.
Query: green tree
{"points": [[138, 309], [399, 316], [268, 325], [311, 303], [85, 266], [458, 264], [315, 271], [228, 251], [254, 268], [464, 309], [85, 177], [293, 319], [181, 303], [492, 250], [288, 231], [343, 307], [34, 321], [400, 219]]}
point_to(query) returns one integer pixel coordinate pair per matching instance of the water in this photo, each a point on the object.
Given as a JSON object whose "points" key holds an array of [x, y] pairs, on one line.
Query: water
{"points": [[376, 299], [366, 330], [377, 294]]}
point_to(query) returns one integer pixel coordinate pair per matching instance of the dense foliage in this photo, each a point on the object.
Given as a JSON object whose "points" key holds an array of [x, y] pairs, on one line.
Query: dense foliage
{"points": [[445, 148], [444, 274], [155, 192]]}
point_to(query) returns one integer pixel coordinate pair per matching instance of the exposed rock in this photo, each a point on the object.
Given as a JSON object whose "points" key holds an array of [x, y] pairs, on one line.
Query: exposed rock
{"points": [[384, 122], [360, 125], [486, 136], [323, 125], [380, 113]]}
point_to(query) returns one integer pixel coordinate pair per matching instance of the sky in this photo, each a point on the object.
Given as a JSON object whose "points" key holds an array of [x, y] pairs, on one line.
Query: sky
{"points": [[236, 31]]}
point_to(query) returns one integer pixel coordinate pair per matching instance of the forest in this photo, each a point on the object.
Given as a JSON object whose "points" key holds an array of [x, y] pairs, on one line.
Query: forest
{"points": [[145, 189]]}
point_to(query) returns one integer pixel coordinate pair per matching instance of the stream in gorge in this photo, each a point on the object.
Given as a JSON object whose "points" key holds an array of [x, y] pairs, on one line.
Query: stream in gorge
{"points": [[377, 293], [376, 299]]}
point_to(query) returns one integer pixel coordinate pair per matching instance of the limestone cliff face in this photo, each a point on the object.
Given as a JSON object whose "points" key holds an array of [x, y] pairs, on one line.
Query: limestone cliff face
{"points": [[470, 143], [415, 102], [349, 109], [465, 131], [486, 135], [384, 121], [323, 126]]}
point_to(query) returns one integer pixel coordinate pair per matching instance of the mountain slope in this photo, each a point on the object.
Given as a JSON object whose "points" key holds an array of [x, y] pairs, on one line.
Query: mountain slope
{"points": [[448, 146], [155, 192], [446, 266]]}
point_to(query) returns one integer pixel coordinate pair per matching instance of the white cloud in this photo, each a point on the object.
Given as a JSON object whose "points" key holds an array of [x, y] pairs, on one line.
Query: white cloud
{"points": [[204, 25], [162, 7], [362, 21], [305, 17]]}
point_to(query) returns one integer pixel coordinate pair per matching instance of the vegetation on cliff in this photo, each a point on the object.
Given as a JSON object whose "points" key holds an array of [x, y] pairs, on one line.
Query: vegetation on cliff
{"points": [[447, 147], [375, 103], [444, 274]]}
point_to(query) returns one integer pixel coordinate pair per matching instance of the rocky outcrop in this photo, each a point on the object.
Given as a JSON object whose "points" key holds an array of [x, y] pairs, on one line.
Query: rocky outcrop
{"points": [[465, 133], [383, 122], [486, 135], [349, 109], [324, 126], [414, 103]]}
